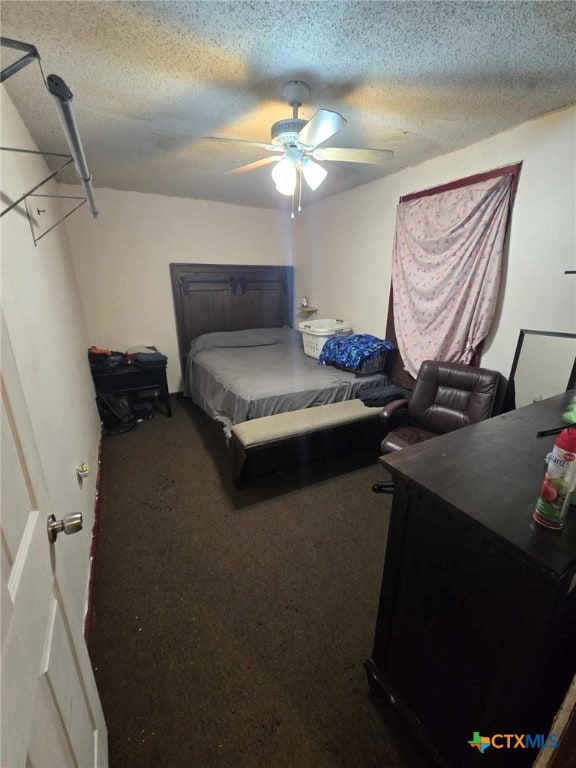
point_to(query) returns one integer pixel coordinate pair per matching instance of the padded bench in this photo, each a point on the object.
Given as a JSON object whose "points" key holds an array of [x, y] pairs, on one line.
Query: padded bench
{"points": [[296, 437]]}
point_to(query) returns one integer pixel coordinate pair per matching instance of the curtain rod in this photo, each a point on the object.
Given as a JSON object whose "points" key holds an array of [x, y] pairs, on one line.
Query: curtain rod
{"points": [[62, 96]]}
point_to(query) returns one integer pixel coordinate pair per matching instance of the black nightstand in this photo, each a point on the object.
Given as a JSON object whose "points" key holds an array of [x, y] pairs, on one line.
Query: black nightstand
{"points": [[130, 378]]}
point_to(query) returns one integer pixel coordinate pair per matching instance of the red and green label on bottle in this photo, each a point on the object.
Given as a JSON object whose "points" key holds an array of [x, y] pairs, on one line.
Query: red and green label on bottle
{"points": [[559, 482]]}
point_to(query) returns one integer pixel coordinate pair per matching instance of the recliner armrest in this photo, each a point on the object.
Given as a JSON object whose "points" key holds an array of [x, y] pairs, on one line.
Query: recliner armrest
{"points": [[389, 410]]}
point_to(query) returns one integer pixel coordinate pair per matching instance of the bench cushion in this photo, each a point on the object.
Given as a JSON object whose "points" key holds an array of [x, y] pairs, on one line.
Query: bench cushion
{"points": [[269, 429], [267, 443]]}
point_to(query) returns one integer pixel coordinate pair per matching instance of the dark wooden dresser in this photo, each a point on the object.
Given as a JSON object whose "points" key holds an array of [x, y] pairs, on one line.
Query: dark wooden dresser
{"points": [[476, 627]]}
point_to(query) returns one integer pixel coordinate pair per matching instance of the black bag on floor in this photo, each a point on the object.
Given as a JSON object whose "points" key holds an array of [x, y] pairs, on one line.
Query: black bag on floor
{"points": [[116, 413]]}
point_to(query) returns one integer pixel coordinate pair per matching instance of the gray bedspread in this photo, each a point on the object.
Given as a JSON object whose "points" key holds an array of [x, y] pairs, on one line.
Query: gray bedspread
{"points": [[243, 375]]}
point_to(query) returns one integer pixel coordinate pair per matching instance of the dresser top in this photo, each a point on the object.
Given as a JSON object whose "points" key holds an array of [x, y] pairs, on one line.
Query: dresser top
{"points": [[492, 471]]}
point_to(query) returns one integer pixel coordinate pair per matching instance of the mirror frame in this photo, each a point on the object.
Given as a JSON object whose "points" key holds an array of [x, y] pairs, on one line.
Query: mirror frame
{"points": [[510, 394]]}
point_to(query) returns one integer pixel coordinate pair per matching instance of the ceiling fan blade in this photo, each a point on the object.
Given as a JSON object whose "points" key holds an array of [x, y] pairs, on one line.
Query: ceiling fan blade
{"points": [[259, 144], [253, 166], [320, 127], [369, 156]]}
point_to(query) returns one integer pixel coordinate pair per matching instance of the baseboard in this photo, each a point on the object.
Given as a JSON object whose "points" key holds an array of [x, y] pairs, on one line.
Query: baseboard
{"points": [[93, 548]]}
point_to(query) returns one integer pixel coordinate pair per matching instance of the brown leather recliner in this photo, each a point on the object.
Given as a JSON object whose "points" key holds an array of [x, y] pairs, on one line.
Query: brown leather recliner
{"points": [[446, 396]]}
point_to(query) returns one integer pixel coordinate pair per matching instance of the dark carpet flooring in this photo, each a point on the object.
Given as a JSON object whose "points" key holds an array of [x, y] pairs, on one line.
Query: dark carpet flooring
{"points": [[229, 628]]}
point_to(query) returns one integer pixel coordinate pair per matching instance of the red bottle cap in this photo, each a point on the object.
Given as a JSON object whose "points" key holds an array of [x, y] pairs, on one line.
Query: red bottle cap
{"points": [[567, 440]]}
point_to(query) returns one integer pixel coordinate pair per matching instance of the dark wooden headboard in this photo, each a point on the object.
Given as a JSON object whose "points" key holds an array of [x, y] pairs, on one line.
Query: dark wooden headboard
{"points": [[229, 297]]}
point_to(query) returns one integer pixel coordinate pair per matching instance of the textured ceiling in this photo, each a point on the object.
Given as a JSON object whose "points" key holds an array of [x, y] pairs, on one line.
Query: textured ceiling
{"points": [[150, 79]]}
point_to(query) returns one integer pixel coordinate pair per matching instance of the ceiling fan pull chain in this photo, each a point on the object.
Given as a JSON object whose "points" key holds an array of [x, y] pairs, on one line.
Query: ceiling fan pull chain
{"points": [[292, 213], [300, 192]]}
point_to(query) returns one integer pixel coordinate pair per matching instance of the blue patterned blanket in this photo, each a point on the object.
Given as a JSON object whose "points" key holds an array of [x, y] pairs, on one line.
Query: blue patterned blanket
{"points": [[351, 352]]}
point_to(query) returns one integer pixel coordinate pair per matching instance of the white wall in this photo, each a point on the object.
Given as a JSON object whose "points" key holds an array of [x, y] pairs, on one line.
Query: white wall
{"points": [[122, 260], [343, 245], [41, 305]]}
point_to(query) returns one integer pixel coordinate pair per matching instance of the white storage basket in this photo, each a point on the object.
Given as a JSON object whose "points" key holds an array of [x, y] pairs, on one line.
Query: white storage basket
{"points": [[315, 333]]}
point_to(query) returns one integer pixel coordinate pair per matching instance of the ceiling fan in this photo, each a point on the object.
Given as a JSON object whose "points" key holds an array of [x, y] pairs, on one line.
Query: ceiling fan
{"points": [[296, 146]]}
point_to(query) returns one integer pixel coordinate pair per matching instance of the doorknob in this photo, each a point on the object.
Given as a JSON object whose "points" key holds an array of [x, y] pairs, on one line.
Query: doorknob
{"points": [[69, 524]]}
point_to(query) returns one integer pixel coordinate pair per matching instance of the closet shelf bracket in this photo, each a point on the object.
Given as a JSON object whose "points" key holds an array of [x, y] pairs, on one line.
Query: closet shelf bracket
{"points": [[60, 197], [24, 198], [37, 186], [62, 97]]}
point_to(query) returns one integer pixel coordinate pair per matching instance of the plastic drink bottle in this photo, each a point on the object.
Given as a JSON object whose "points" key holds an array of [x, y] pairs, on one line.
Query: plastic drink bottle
{"points": [[559, 482]]}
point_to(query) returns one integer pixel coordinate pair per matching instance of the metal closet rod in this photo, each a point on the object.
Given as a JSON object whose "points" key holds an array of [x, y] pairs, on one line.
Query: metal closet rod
{"points": [[62, 96]]}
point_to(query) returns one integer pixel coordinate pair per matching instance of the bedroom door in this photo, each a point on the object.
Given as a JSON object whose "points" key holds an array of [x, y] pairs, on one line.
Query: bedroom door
{"points": [[51, 713]]}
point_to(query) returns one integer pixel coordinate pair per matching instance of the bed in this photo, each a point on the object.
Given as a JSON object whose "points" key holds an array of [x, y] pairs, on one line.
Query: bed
{"points": [[240, 358], [244, 375]]}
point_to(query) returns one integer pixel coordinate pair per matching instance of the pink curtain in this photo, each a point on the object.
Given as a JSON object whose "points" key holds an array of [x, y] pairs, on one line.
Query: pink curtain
{"points": [[446, 270]]}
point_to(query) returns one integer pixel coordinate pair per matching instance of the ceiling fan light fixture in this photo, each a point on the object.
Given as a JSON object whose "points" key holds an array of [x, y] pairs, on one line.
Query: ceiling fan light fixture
{"points": [[285, 177], [298, 144], [314, 174]]}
